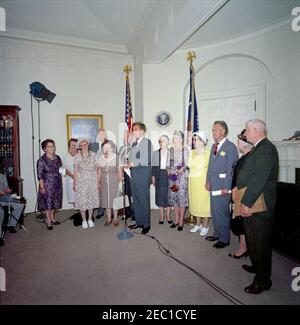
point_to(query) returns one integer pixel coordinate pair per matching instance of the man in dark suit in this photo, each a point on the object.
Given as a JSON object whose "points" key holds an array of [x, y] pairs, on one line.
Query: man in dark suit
{"points": [[223, 155], [141, 174], [259, 175]]}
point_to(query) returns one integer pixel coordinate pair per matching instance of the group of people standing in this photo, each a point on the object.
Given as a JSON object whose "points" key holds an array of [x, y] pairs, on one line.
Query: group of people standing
{"points": [[205, 181]]}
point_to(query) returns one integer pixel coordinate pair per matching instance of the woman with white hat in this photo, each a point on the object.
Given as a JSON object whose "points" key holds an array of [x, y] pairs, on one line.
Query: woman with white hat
{"points": [[199, 200], [86, 182]]}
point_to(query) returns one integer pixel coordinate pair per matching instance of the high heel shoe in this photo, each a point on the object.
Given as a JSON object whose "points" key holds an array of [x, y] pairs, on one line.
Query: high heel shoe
{"points": [[174, 225], [245, 254]]}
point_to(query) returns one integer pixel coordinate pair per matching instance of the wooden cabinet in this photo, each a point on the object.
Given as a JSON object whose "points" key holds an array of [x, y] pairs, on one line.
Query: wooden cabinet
{"points": [[10, 147]]}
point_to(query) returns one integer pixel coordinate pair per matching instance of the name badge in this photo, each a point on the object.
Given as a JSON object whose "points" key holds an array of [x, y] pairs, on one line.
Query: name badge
{"points": [[222, 175]]}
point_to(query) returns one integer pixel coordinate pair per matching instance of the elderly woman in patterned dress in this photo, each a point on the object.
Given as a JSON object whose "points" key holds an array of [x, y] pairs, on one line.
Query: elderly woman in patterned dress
{"points": [[50, 182], [86, 183], [110, 180], [178, 182]]}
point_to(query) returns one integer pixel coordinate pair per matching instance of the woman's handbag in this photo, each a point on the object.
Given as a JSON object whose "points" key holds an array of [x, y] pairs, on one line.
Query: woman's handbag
{"points": [[118, 202]]}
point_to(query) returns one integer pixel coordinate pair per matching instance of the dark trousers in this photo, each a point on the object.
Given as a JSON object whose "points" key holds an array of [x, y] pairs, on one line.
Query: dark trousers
{"points": [[128, 210], [258, 230], [141, 203]]}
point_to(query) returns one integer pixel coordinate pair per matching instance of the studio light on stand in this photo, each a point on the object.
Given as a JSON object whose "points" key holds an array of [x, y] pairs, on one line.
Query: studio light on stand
{"points": [[40, 93]]}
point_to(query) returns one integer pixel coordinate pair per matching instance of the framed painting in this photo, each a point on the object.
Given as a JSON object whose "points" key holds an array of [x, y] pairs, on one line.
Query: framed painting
{"points": [[84, 126]]}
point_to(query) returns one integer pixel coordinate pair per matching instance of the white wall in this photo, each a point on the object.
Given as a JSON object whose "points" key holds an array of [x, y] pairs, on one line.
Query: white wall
{"points": [[271, 58], [85, 82]]}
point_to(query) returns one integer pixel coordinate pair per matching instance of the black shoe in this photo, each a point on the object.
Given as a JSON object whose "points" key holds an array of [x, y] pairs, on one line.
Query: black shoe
{"points": [[145, 230], [161, 222], [55, 223], [245, 254], [180, 228], [256, 289], [211, 238], [220, 244], [170, 221], [11, 229], [49, 227], [249, 268], [135, 226], [173, 225]]}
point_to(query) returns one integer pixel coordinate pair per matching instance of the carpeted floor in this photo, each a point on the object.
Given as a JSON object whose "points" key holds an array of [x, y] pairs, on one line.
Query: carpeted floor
{"points": [[69, 265]]}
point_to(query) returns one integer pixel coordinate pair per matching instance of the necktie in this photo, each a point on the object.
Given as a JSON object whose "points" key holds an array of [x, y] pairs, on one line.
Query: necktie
{"points": [[215, 148]]}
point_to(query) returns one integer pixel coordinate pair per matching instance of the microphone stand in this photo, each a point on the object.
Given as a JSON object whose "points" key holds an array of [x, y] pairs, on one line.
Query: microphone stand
{"points": [[125, 234]]}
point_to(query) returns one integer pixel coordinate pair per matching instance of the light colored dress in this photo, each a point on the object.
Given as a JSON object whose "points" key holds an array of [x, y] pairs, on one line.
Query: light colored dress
{"points": [[87, 193], [199, 197], [176, 160], [69, 164], [109, 180]]}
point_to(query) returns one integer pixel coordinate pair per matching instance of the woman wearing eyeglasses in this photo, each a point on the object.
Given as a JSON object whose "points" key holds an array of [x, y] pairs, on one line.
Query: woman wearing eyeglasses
{"points": [[160, 178], [199, 197], [86, 183], [50, 182], [178, 181]]}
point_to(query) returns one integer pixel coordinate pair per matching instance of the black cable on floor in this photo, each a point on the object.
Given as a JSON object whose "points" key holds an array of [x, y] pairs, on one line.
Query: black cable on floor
{"points": [[167, 252]]}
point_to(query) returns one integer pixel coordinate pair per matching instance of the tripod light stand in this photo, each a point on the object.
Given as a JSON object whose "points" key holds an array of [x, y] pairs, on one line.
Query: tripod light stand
{"points": [[40, 93]]}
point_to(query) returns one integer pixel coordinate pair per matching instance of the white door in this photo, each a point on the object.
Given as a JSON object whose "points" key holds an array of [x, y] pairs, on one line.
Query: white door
{"points": [[235, 111]]}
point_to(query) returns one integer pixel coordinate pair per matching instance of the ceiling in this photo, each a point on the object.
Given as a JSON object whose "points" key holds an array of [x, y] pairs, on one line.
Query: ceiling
{"points": [[125, 22], [240, 17], [105, 21]]}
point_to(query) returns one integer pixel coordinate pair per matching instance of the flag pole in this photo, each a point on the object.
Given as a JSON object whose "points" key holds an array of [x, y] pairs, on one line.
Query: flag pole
{"points": [[191, 55], [125, 234]]}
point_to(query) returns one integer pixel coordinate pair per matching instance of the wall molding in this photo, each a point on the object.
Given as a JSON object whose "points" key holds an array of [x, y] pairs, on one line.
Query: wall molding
{"points": [[21, 49], [63, 40]]}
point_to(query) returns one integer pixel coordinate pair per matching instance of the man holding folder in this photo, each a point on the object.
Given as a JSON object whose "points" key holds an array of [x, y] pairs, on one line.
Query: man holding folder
{"points": [[258, 181]]}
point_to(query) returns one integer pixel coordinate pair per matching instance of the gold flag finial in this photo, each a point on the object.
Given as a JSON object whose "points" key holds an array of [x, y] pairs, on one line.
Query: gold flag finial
{"points": [[191, 56], [127, 69]]}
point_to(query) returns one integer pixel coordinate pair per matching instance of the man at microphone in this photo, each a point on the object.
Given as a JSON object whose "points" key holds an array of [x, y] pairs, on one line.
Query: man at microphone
{"points": [[140, 166]]}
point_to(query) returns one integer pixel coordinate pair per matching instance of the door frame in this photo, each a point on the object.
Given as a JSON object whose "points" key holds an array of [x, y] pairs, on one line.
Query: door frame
{"points": [[258, 90]]}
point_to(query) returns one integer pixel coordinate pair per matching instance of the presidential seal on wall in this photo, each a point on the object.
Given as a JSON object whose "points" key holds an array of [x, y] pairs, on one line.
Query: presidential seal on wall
{"points": [[163, 119]]}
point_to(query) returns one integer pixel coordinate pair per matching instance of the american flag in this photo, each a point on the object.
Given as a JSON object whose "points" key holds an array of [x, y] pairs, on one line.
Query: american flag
{"points": [[193, 121], [128, 107]]}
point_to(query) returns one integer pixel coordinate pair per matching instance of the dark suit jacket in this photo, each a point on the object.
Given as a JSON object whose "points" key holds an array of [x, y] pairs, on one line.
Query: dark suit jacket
{"points": [[259, 174], [141, 156]]}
